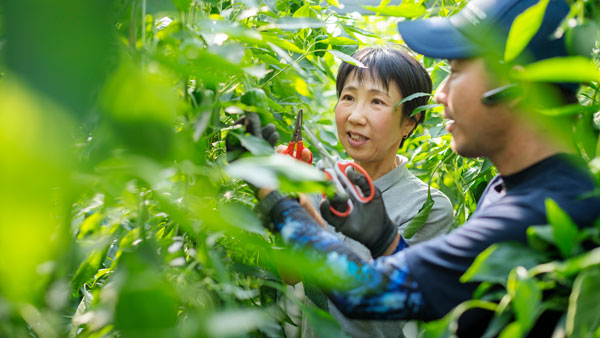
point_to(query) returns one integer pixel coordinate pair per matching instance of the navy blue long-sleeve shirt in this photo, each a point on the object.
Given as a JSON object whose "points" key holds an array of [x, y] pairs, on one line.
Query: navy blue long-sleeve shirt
{"points": [[423, 281]]}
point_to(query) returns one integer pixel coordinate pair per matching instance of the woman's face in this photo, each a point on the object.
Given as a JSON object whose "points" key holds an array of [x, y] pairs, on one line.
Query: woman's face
{"points": [[369, 125]]}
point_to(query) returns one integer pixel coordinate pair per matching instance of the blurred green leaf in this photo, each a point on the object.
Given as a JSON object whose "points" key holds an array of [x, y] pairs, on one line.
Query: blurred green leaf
{"points": [[565, 231], [236, 322], [583, 261], [256, 145], [559, 69], [278, 171], [523, 29], [146, 303], [405, 9], [583, 319], [335, 3], [495, 263], [89, 267], [526, 298], [242, 217], [322, 322], [339, 40], [298, 23]]}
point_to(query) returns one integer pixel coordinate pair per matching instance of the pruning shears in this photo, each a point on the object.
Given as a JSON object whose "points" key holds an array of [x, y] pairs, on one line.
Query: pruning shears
{"points": [[296, 145], [337, 171]]}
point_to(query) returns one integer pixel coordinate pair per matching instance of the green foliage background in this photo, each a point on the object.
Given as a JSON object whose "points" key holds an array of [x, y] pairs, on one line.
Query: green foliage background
{"points": [[117, 214]]}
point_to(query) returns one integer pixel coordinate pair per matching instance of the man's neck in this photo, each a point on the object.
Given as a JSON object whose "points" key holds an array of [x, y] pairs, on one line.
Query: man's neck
{"points": [[522, 153]]}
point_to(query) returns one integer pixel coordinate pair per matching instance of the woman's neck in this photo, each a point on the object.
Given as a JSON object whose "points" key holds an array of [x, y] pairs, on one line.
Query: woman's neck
{"points": [[376, 169]]}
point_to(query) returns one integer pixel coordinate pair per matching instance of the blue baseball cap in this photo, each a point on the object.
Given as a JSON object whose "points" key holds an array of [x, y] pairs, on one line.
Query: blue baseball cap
{"points": [[482, 28]]}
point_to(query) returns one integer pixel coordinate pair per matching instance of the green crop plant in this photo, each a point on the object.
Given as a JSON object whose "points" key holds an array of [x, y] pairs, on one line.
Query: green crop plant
{"points": [[121, 216]]}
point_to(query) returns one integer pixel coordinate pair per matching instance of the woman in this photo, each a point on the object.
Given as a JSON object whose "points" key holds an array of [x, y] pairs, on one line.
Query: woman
{"points": [[372, 127]]}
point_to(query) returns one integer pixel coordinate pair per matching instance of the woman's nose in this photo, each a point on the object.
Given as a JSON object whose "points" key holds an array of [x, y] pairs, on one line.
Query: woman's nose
{"points": [[357, 114]]}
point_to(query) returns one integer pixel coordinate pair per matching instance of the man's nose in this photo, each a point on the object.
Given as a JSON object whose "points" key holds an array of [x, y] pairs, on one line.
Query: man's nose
{"points": [[441, 94]]}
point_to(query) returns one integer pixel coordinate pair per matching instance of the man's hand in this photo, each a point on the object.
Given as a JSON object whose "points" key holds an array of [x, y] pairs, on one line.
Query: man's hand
{"points": [[368, 223]]}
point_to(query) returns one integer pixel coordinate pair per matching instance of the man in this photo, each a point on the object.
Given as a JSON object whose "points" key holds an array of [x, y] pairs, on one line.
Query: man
{"points": [[485, 119]]}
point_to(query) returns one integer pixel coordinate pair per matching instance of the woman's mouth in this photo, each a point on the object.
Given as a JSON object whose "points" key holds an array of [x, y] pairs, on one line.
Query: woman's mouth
{"points": [[356, 139]]}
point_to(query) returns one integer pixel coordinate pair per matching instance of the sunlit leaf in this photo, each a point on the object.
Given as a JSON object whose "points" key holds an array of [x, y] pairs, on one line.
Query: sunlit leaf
{"points": [[405, 9], [334, 3], [523, 29], [298, 23], [347, 58], [339, 40]]}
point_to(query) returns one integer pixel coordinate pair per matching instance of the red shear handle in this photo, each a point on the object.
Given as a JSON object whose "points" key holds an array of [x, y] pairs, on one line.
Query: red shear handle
{"points": [[295, 149], [331, 208], [356, 191]]}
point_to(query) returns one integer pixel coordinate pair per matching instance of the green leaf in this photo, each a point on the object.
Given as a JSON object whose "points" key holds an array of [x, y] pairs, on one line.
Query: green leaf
{"points": [[334, 3], [511, 331], [234, 323], [411, 97], [298, 23], [540, 237], [437, 131], [256, 145], [574, 265], [322, 322], [419, 220], [279, 172], [339, 40], [88, 268], [571, 109], [583, 317], [242, 217], [405, 9], [495, 263], [523, 29], [424, 108], [559, 69], [347, 58], [565, 231], [526, 298]]}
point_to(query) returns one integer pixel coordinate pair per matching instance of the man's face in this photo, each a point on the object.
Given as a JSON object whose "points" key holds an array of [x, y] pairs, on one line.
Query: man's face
{"points": [[477, 129]]}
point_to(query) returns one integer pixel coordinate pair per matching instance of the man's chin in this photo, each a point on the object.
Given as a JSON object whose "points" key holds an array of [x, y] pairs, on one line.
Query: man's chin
{"points": [[463, 150]]}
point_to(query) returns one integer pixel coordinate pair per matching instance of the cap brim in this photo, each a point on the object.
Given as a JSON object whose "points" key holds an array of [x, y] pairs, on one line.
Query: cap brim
{"points": [[436, 38]]}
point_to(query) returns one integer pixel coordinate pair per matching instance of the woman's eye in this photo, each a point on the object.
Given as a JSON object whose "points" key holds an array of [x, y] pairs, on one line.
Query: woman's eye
{"points": [[347, 98], [377, 101]]}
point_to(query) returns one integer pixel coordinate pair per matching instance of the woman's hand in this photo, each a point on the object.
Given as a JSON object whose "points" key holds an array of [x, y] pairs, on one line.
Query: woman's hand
{"points": [[306, 155]]}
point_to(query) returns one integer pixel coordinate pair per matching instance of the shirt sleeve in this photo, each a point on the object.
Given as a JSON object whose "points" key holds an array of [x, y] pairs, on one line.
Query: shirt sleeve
{"points": [[383, 289]]}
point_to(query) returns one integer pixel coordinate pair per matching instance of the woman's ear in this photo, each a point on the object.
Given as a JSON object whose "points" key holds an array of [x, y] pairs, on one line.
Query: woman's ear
{"points": [[409, 123]]}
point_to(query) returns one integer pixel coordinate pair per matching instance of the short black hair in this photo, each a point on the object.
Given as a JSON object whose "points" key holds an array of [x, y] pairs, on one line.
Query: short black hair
{"points": [[387, 64]]}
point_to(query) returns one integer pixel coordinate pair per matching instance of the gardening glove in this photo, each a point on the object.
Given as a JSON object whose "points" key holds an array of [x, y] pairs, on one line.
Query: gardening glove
{"points": [[368, 223], [251, 123]]}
